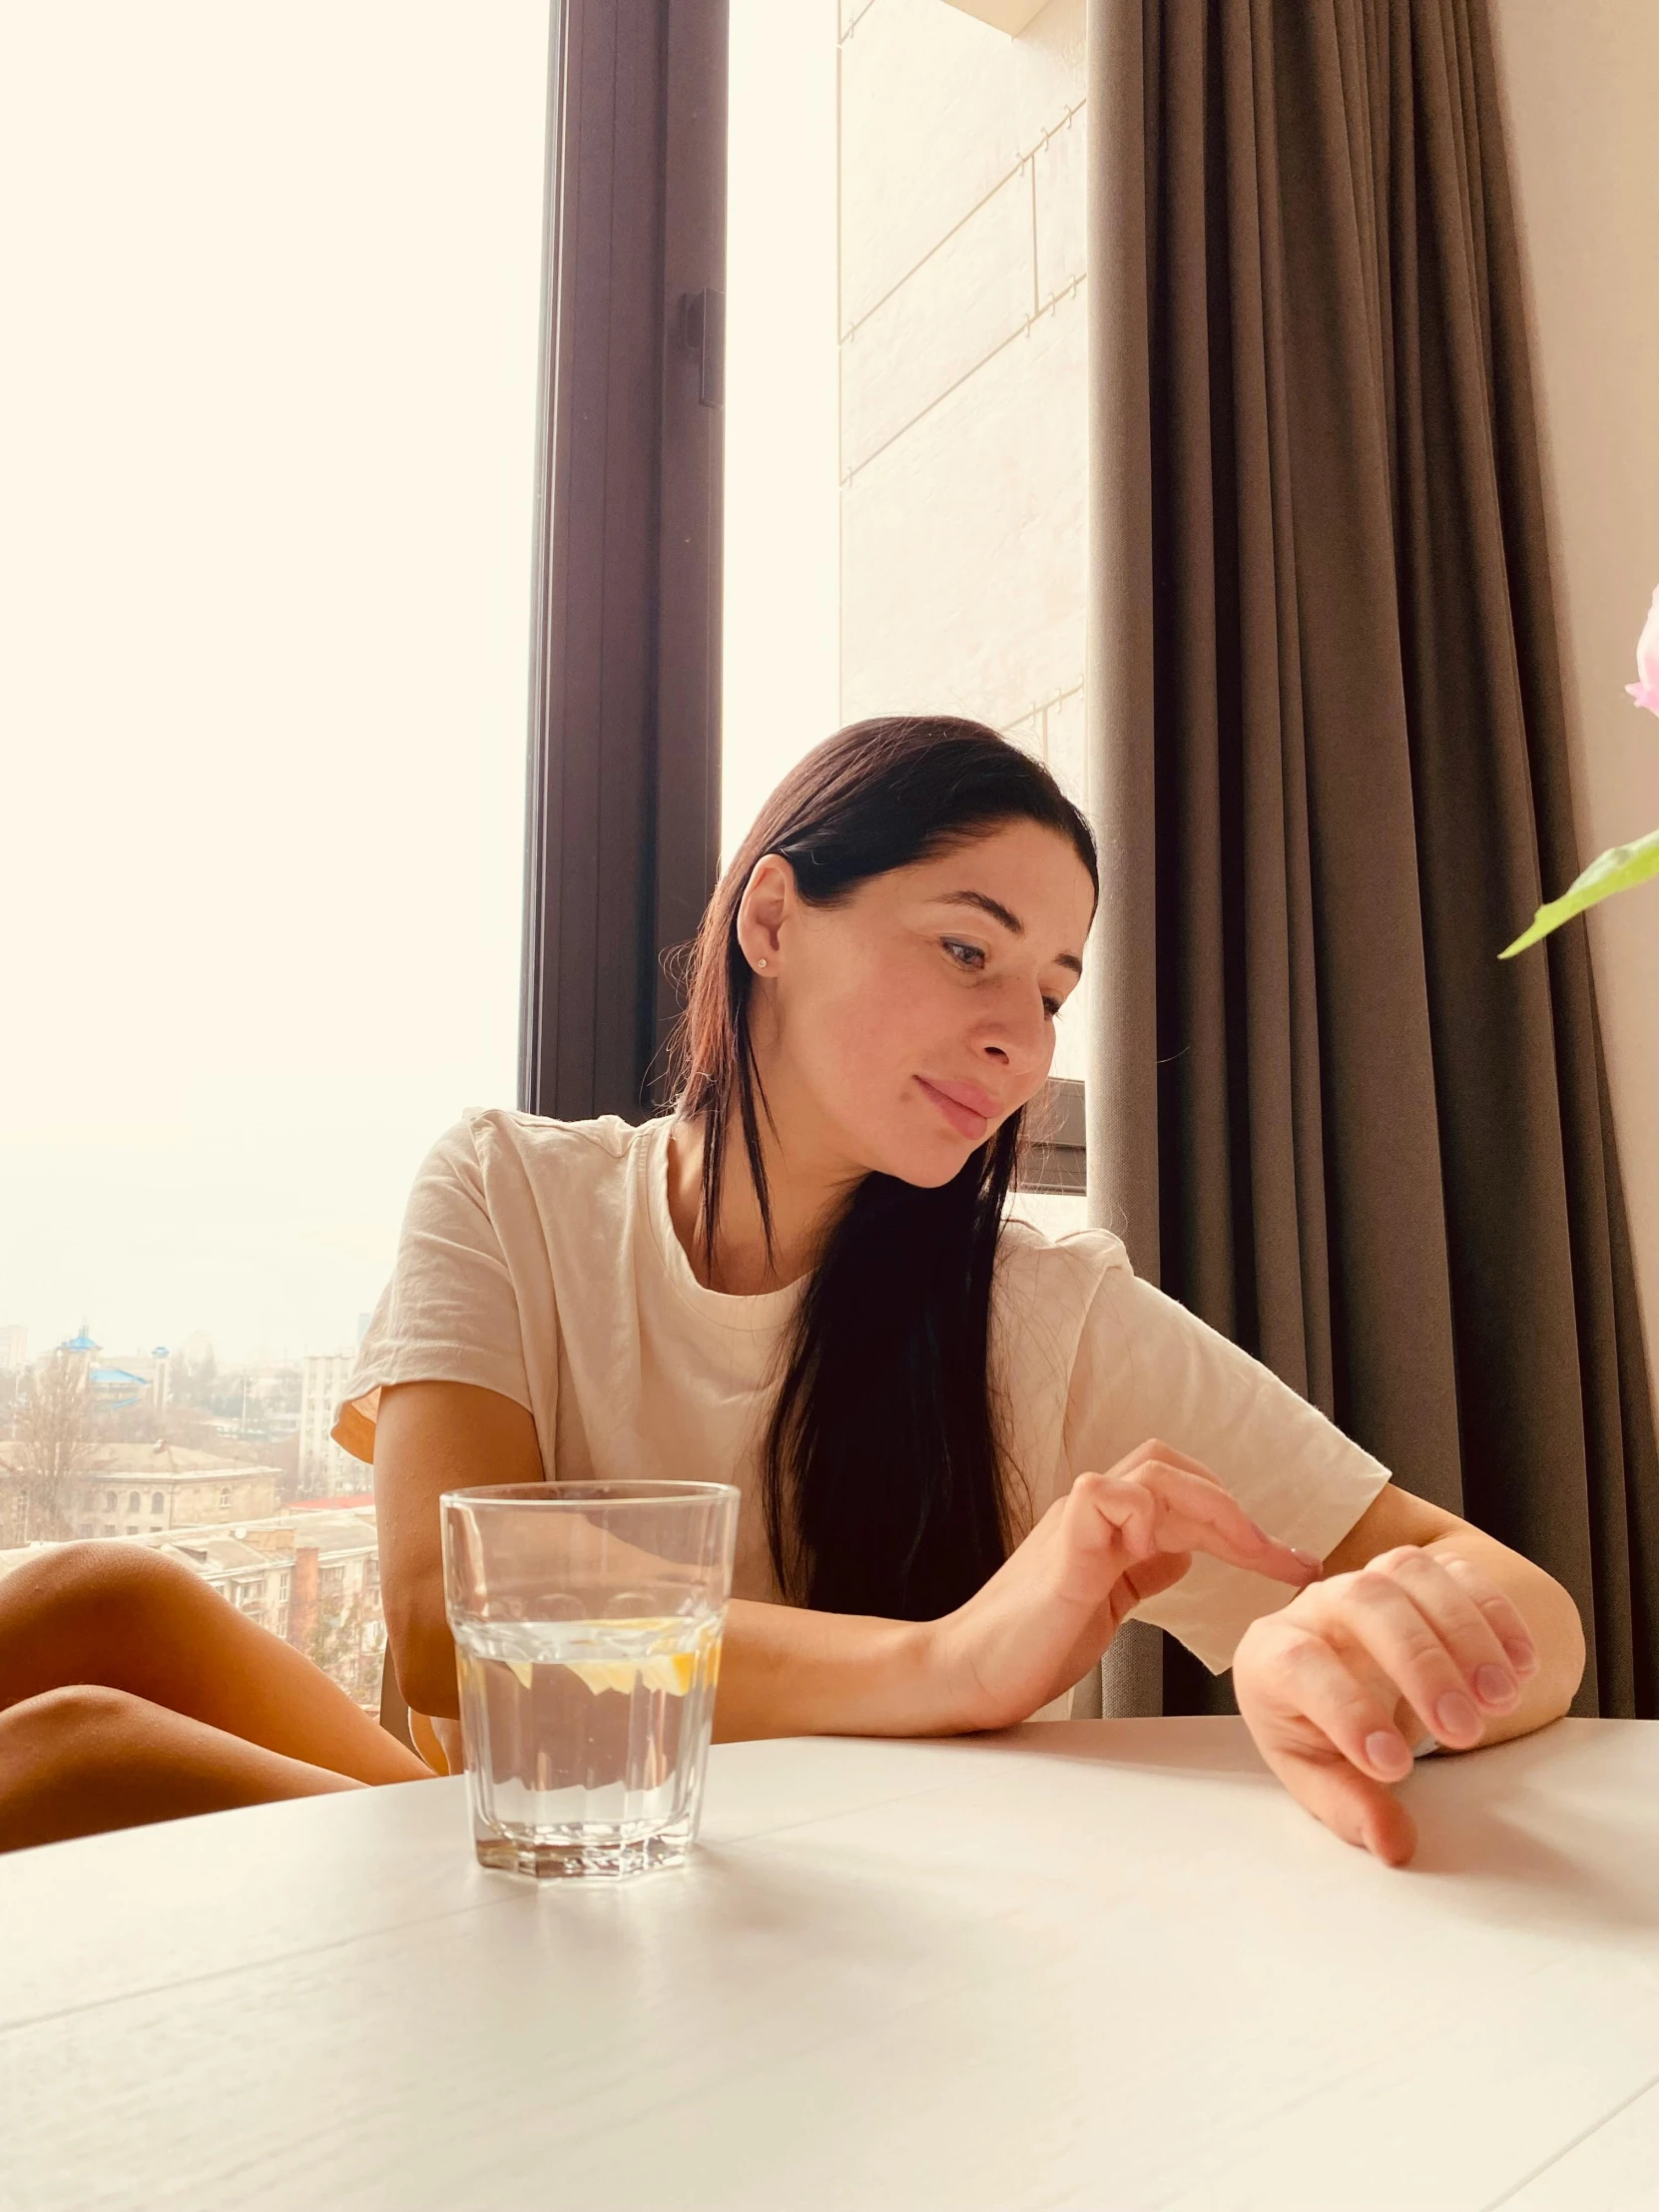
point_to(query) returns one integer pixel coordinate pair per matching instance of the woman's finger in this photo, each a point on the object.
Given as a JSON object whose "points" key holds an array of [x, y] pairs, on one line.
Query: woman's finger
{"points": [[1331, 1741], [1162, 1508], [1502, 1615], [1308, 1676], [1375, 1613], [1464, 1628], [1149, 1576], [1361, 1812]]}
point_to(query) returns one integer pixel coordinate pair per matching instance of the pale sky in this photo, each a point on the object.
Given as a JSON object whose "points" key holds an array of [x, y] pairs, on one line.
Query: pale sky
{"points": [[266, 424]]}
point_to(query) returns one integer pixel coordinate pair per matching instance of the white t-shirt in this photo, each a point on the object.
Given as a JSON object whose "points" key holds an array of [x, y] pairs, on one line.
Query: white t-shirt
{"points": [[538, 1259]]}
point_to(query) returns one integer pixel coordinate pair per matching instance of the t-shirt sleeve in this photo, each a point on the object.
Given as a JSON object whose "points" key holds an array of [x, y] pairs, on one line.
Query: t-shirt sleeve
{"points": [[1148, 1368], [450, 1312]]}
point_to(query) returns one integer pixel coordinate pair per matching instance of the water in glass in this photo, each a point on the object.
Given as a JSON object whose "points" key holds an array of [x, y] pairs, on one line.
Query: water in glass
{"points": [[586, 1738]]}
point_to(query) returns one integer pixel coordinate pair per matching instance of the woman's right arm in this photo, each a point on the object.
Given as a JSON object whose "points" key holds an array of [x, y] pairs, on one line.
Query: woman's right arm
{"points": [[1029, 1634], [782, 1672], [430, 1437]]}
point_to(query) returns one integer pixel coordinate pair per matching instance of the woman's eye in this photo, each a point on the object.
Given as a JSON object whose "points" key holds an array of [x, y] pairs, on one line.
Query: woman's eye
{"points": [[964, 956], [1051, 1006]]}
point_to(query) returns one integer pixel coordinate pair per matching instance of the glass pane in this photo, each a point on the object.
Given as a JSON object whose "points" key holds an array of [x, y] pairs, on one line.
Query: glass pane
{"points": [[266, 432], [904, 272], [781, 651]]}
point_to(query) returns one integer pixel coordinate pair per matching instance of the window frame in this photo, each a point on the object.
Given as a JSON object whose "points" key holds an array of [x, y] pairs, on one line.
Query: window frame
{"points": [[622, 835]]}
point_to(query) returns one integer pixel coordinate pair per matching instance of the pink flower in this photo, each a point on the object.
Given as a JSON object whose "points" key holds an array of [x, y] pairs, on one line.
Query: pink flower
{"points": [[1646, 692]]}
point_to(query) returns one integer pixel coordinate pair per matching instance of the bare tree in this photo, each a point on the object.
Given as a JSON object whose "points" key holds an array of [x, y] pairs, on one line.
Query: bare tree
{"points": [[51, 1448], [336, 1644]]}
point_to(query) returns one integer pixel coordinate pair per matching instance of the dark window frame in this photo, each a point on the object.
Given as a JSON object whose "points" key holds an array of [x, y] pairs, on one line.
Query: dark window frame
{"points": [[622, 815]]}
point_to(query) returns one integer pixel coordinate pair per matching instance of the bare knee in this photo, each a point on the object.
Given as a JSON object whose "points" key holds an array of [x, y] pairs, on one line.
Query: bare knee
{"points": [[96, 1574], [79, 1721], [81, 1758]]}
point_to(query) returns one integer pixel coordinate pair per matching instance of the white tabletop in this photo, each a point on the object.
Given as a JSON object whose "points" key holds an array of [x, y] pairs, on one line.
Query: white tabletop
{"points": [[1095, 1964]]}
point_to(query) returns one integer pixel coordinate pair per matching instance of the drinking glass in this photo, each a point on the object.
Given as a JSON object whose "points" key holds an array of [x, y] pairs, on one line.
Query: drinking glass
{"points": [[587, 1619]]}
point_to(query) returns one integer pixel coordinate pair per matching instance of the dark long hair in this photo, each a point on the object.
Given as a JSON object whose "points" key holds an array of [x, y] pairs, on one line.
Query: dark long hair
{"points": [[883, 1479]]}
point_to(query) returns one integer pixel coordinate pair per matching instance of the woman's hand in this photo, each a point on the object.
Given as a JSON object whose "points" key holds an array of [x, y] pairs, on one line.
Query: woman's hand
{"points": [[1339, 1686], [1113, 1540]]}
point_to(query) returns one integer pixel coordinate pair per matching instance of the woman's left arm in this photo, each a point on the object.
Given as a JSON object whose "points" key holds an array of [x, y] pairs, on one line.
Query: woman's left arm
{"points": [[1421, 1626]]}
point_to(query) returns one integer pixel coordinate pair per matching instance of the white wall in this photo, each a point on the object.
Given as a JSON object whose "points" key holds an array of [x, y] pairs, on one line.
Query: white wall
{"points": [[962, 375], [961, 364], [781, 680], [1580, 83]]}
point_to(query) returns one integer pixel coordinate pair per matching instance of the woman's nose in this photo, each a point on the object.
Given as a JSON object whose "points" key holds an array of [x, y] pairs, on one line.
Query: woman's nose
{"points": [[1020, 1035]]}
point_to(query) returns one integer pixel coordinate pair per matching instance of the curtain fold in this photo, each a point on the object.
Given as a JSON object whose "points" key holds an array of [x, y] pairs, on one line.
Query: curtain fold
{"points": [[1328, 758]]}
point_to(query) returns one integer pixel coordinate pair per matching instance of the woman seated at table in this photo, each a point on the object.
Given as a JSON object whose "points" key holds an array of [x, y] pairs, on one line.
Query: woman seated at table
{"points": [[966, 1453]]}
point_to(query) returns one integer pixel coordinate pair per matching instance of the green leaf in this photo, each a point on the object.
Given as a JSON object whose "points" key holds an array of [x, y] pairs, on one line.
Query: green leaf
{"points": [[1615, 871]]}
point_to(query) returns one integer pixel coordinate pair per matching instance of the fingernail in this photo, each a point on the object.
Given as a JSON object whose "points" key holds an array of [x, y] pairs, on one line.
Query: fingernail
{"points": [[1494, 1685], [1388, 1752], [1314, 1566], [1454, 1715], [1523, 1657]]}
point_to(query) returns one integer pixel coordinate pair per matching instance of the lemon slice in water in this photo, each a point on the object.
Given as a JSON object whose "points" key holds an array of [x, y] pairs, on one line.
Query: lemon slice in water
{"points": [[670, 1671]]}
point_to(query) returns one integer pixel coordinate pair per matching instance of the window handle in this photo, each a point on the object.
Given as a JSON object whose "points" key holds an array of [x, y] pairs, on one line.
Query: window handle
{"points": [[703, 328]]}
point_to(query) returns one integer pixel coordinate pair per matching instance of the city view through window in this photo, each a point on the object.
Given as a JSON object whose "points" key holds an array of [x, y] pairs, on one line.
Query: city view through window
{"points": [[267, 432]]}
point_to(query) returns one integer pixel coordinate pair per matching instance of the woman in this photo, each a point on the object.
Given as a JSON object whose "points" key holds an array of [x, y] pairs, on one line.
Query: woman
{"points": [[965, 1453]]}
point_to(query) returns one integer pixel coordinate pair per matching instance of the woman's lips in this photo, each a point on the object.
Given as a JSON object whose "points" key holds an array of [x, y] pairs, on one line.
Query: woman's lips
{"points": [[965, 1106]]}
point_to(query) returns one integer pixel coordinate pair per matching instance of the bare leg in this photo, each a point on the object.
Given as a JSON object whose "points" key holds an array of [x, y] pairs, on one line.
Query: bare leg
{"points": [[76, 1762], [113, 1616]]}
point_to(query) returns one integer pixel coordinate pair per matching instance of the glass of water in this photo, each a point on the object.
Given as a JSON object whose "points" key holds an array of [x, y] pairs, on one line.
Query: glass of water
{"points": [[587, 1619]]}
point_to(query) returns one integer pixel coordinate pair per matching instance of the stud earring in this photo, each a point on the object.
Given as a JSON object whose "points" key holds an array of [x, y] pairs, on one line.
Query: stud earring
{"points": [[759, 963]]}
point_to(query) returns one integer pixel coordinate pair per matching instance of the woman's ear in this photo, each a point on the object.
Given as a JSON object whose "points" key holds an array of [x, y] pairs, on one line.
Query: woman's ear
{"points": [[768, 898]]}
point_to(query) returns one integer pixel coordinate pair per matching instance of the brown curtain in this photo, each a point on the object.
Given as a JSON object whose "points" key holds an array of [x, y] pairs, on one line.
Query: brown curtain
{"points": [[1329, 762]]}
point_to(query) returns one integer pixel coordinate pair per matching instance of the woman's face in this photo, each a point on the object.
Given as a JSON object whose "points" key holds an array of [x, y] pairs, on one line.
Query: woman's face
{"points": [[896, 1029]]}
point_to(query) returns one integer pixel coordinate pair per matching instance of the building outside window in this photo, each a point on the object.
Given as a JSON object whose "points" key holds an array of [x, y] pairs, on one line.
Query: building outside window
{"points": [[906, 423], [324, 1471]]}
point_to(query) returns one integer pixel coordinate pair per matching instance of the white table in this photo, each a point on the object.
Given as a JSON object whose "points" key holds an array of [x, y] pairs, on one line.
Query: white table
{"points": [[1095, 1964]]}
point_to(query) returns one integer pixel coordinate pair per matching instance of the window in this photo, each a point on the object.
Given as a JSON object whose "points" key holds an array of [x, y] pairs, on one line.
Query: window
{"points": [[267, 577], [905, 403], [135, 1503], [782, 598], [158, 1502]]}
